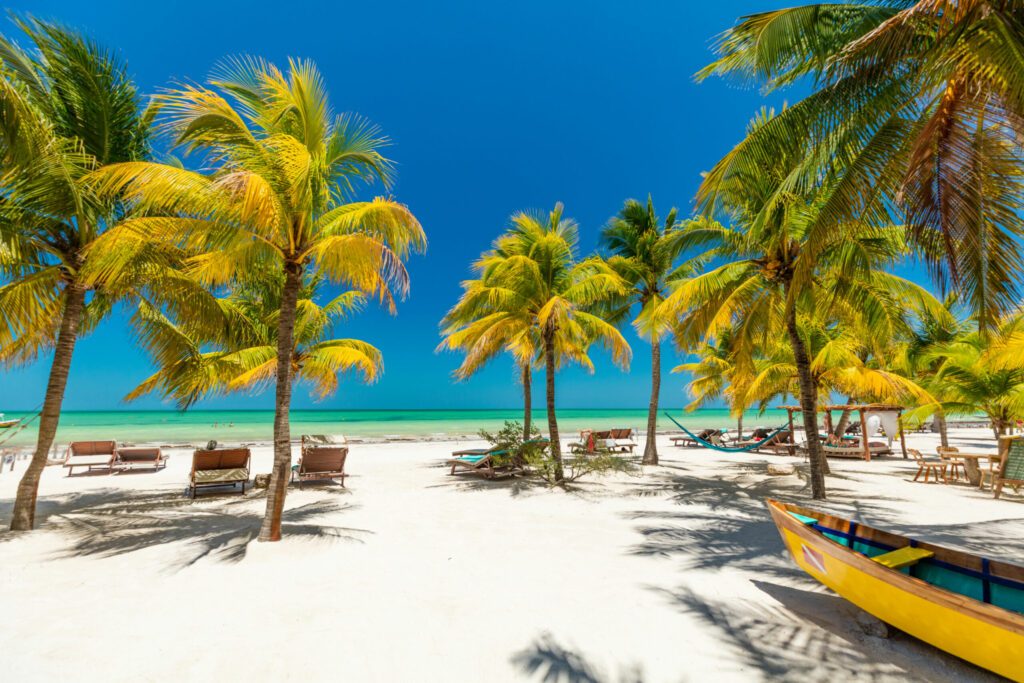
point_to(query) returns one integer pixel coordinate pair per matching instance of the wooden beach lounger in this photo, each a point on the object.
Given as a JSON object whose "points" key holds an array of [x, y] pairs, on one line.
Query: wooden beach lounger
{"points": [[781, 444], [321, 462], [623, 440], [686, 441], [857, 451], [134, 458], [323, 440], [227, 466], [479, 461], [90, 454]]}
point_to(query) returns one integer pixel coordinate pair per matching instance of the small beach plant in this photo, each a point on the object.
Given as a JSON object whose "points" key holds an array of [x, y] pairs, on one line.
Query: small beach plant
{"points": [[280, 197], [519, 447], [68, 106]]}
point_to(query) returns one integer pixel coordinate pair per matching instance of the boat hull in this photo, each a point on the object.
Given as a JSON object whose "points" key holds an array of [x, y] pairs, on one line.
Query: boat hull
{"points": [[985, 635]]}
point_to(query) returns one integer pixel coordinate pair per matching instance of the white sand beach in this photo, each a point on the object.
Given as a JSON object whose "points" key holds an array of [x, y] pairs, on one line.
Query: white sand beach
{"points": [[411, 574]]}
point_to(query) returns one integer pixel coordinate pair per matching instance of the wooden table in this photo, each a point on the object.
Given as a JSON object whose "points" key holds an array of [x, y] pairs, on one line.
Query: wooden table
{"points": [[971, 463]]}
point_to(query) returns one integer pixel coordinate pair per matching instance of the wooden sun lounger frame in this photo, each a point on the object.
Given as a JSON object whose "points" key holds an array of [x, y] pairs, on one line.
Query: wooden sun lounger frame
{"points": [[97, 449], [203, 453], [135, 457], [484, 467], [302, 472]]}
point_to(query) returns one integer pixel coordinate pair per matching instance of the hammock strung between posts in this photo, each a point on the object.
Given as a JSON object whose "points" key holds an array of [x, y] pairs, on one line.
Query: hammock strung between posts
{"points": [[726, 449]]}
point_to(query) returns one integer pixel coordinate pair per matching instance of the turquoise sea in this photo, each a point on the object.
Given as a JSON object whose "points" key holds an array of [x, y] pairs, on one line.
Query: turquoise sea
{"points": [[228, 426]]}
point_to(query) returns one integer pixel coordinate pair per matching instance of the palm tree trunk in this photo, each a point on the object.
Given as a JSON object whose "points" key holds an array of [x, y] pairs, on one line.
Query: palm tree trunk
{"points": [[527, 400], [271, 528], [739, 427], [939, 422], [24, 514], [651, 447], [844, 421], [808, 405], [555, 444]]}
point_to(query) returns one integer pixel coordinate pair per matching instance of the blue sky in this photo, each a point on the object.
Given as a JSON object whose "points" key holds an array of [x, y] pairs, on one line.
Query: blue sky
{"points": [[492, 107]]}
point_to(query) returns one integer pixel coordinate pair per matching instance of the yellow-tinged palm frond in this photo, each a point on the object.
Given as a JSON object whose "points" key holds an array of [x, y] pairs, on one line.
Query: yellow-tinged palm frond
{"points": [[322, 363]]}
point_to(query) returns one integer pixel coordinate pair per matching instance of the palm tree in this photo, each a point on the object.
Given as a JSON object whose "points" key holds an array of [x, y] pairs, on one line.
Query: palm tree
{"points": [[285, 169], [482, 330], [912, 355], [533, 272], [921, 103], [981, 373], [790, 237], [196, 358], [68, 107], [644, 250]]}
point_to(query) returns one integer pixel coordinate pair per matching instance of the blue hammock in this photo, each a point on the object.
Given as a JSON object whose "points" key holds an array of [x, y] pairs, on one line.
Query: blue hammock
{"points": [[726, 449]]}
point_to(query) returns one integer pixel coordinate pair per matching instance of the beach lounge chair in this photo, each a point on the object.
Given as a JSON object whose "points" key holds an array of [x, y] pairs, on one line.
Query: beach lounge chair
{"points": [[714, 436], [623, 440], [135, 458], [223, 467], [956, 465], [780, 444], [321, 462], [480, 461], [585, 442], [927, 467], [90, 454], [855, 450], [323, 440]]}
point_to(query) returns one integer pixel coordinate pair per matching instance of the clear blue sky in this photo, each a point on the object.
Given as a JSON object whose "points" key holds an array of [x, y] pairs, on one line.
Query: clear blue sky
{"points": [[493, 107]]}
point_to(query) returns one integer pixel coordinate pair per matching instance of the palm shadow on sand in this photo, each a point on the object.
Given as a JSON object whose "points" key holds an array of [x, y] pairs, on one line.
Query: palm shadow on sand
{"points": [[110, 522]]}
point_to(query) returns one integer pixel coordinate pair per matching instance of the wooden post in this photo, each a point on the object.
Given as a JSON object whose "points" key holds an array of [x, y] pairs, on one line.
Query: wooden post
{"points": [[903, 436], [792, 434], [864, 434]]}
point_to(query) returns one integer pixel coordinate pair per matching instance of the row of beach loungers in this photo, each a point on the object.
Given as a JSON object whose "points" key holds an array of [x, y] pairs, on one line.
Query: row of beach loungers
{"points": [[322, 458], [781, 444], [487, 462]]}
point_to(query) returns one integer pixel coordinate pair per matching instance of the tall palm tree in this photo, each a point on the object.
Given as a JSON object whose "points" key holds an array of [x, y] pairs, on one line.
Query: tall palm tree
{"points": [[67, 106], [981, 373], [533, 271], [913, 356], [196, 358], [644, 251], [789, 237], [920, 102], [278, 199], [482, 330]]}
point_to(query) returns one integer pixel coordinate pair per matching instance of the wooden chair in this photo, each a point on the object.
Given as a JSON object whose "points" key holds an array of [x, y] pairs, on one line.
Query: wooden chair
{"points": [[956, 465], [90, 454], [321, 462], [1011, 465], [223, 467], [928, 467], [992, 471]]}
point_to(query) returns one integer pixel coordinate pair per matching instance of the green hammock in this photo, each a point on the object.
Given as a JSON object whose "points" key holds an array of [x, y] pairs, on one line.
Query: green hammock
{"points": [[726, 449]]}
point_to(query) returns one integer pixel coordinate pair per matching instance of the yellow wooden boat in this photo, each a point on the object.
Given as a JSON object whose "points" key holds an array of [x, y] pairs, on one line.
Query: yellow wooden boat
{"points": [[967, 605]]}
